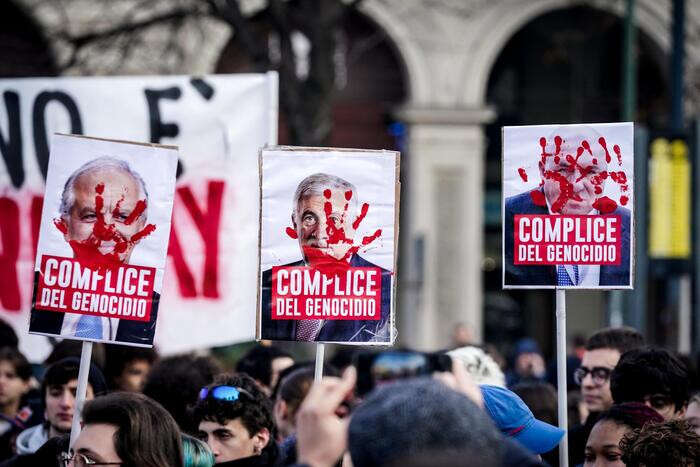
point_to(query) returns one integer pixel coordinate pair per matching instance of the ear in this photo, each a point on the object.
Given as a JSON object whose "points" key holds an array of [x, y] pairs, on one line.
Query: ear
{"points": [[261, 439], [281, 410], [294, 222]]}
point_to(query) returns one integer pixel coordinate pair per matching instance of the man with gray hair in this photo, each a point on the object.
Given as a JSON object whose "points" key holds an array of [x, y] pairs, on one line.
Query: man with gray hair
{"points": [[322, 212], [102, 217]]}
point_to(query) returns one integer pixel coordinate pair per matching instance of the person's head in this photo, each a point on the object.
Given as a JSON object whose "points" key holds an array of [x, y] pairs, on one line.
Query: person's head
{"points": [[234, 417], [412, 418], [15, 373], [59, 391], [105, 190], [603, 350], [571, 169], [263, 363], [516, 420], [480, 365], [603, 445], [540, 398], [527, 359], [290, 394], [175, 382], [325, 207], [672, 443], [8, 336], [126, 368], [196, 453], [692, 413], [655, 377], [129, 428]]}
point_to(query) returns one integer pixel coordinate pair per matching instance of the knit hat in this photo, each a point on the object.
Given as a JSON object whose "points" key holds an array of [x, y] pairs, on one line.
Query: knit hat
{"points": [[418, 416], [516, 420]]}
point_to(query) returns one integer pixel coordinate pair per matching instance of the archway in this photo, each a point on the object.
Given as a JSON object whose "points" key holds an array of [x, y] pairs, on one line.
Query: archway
{"points": [[562, 67], [370, 83]]}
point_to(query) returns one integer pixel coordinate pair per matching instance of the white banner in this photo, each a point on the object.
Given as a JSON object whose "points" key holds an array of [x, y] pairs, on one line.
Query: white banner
{"points": [[219, 123]]}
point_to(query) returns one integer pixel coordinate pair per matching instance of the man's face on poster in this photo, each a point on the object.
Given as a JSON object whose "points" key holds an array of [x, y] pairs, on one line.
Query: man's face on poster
{"points": [[315, 228], [581, 173], [120, 196]]}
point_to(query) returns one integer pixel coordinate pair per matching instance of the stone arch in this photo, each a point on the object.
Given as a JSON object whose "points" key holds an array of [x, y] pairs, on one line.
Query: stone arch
{"points": [[504, 19], [400, 35]]}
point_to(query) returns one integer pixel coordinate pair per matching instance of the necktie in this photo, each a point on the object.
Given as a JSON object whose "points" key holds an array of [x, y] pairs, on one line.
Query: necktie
{"points": [[308, 329], [89, 327], [563, 278]]}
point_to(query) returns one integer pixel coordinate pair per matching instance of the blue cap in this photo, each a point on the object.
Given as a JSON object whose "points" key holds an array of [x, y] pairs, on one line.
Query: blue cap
{"points": [[515, 419]]}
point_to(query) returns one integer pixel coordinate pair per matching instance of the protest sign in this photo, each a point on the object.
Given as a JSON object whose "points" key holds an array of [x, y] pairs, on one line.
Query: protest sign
{"points": [[103, 240], [568, 206], [327, 245], [219, 122]]}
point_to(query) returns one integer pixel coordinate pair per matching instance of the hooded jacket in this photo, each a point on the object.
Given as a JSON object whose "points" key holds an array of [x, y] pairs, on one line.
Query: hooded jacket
{"points": [[32, 439]]}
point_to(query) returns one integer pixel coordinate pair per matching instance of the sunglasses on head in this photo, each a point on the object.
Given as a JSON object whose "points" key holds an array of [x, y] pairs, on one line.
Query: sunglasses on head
{"points": [[224, 393]]}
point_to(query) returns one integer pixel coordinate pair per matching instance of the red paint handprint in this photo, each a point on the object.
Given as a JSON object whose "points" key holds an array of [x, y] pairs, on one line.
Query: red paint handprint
{"points": [[325, 232], [104, 224]]}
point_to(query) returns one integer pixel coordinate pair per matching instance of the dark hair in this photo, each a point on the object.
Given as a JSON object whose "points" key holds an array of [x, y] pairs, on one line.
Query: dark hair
{"points": [[294, 387], [147, 436], [541, 399], [15, 358], [8, 336], [73, 348], [621, 339], [65, 370], [630, 414], [117, 357], [254, 414], [661, 444], [175, 382], [257, 362], [646, 371]]}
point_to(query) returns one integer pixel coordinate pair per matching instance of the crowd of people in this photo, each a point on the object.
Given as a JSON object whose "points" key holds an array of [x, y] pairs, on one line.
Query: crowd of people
{"points": [[629, 404]]}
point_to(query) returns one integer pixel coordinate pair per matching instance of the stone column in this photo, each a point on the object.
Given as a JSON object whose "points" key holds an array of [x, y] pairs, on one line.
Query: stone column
{"points": [[442, 225]]}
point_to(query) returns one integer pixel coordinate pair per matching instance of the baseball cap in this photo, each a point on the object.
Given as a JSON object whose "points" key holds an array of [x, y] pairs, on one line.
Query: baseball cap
{"points": [[515, 419]]}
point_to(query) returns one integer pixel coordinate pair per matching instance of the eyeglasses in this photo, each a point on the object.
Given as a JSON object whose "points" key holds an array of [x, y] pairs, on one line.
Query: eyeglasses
{"points": [[224, 393], [80, 460], [600, 374]]}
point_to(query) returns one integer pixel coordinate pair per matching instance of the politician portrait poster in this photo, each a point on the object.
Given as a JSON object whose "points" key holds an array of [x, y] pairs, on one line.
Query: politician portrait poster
{"points": [[103, 240], [568, 197], [327, 245]]}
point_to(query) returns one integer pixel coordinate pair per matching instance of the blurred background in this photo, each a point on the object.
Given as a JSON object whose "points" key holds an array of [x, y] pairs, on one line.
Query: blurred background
{"points": [[436, 80]]}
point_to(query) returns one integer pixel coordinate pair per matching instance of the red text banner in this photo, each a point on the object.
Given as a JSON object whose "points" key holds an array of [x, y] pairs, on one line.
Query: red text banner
{"points": [[302, 292], [119, 291], [567, 239]]}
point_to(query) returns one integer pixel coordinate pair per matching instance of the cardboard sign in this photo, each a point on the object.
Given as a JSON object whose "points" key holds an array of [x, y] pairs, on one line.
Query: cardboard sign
{"points": [[568, 206], [328, 235], [219, 123], [103, 240]]}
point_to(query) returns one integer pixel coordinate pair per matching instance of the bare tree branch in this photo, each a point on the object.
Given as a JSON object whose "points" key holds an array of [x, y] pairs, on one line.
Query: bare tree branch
{"points": [[126, 28], [229, 11]]}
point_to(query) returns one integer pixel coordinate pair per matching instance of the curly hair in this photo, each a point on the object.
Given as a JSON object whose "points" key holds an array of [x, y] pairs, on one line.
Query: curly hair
{"points": [[672, 443], [254, 414]]}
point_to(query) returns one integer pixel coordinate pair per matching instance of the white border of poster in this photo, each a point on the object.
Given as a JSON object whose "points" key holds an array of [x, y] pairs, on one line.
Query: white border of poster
{"points": [[111, 271], [598, 160], [375, 177]]}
